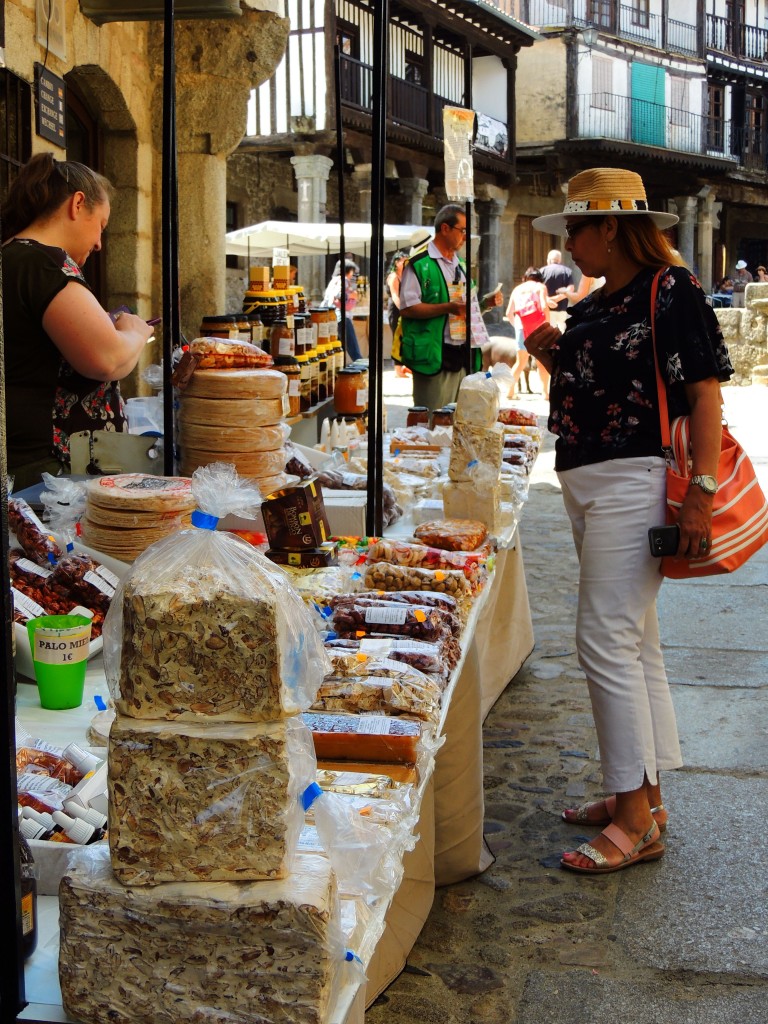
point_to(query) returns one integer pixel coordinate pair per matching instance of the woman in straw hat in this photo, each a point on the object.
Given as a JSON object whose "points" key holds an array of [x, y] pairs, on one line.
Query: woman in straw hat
{"points": [[604, 411]]}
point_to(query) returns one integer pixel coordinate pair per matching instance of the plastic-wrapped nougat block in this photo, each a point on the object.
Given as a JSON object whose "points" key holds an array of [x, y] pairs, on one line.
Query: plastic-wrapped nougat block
{"points": [[208, 801], [235, 952], [467, 501], [476, 453]]}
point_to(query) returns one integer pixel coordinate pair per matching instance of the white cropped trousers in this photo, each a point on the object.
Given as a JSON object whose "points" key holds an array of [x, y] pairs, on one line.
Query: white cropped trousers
{"points": [[612, 505]]}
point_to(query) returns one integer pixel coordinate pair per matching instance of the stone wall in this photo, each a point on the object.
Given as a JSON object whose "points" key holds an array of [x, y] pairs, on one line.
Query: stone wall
{"points": [[746, 335]]}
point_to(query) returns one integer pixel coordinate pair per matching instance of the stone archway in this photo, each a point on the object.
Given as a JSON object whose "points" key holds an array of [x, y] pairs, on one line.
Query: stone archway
{"points": [[129, 254]]}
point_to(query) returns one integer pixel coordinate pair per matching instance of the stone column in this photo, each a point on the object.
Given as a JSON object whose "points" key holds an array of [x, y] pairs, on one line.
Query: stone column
{"points": [[213, 58], [312, 173], [491, 202], [686, 209], [705, 226], [361, 176], [413, 191]]}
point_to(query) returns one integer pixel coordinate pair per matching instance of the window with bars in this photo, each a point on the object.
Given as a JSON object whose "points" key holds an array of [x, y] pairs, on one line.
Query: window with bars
{"points": [[679, 93], [602, 83], [15, 127]]}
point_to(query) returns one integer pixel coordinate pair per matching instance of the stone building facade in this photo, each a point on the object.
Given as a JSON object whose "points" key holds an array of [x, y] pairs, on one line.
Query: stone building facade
{"points": [[114, 78]]}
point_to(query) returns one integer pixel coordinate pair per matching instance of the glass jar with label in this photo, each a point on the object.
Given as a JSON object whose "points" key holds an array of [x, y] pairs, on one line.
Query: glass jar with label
{"points": [[305, 378], [257, 329], [281, 340], [351, 392], [322, 355], [219, 327], [243, 327], [289, 365], [418, 416], [442, 418], [314, 369]]}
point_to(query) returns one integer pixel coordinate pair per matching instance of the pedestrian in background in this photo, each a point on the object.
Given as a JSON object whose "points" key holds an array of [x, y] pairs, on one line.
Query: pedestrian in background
{"points": [[528, 309], [332, 298], [741, 279], [558, 281], [604, 410]]}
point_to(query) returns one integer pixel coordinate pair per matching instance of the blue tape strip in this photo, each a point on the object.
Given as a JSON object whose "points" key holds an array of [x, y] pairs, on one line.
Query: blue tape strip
{"points": [[310, 794], [204, 521], [100, 703]]}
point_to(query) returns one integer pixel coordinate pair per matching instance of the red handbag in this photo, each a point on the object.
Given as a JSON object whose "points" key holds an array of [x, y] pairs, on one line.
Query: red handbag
{"points": [[740, 509]]}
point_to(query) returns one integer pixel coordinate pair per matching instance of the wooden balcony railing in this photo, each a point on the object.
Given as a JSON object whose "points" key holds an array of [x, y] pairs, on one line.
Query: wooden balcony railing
{"points": [[737, 39]]}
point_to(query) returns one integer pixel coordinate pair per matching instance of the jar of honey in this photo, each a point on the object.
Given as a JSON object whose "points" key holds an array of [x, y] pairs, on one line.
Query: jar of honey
{"points": [[289, 365], [351, 391], [281, 340], [314, 376], [243, 327], [219, 327], [305, 386], [418, 416], [322, 355], [257, 329], [442, 418]]}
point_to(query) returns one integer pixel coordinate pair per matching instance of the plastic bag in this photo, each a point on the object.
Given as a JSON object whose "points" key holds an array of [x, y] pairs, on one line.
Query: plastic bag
{"points": [[476, 454], [36, 542], [204, 626], [479, 398], [64, 501], [386, 576], [228, 354], [389, 689], [452, 534], [206, 801]]}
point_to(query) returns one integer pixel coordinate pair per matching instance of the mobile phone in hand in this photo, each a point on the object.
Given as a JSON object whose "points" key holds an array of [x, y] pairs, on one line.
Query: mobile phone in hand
{"points": [[664, 540], [154, 321], [115, 313]]}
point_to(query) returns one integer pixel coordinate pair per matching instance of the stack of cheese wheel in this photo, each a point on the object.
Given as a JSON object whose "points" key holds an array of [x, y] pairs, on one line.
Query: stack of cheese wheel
{"points": [[126, 513], [236, 416]]}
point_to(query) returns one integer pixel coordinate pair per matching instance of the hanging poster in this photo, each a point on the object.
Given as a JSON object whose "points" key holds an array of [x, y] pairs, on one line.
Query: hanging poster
{"points": [[458, 128]]}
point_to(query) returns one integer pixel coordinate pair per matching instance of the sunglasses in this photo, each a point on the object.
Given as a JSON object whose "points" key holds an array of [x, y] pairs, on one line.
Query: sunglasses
{"points": [[571, 230]]}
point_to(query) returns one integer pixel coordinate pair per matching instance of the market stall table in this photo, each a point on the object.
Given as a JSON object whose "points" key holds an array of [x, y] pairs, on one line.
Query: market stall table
{"points": [[497, 639]]}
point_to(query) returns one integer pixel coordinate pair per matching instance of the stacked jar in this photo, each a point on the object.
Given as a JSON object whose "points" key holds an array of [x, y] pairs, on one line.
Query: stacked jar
{"points": [[224, 326], [351, 394], [303, 345]]}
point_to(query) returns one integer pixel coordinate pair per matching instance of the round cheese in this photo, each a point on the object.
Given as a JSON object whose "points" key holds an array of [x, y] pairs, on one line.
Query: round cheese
{"points": [[237, 384]]}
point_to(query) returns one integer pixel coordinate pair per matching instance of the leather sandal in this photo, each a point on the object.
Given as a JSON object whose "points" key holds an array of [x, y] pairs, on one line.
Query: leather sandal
{"points": [[581, 815], [647, 848]]}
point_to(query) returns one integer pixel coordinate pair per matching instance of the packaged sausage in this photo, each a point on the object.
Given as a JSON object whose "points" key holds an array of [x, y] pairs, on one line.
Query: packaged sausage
{"points": [[361, 617], [35, 541]]}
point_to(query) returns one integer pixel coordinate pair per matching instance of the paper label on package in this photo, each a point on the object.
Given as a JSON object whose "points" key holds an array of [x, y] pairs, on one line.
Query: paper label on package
{"points": [[362, 397], [29, 566], [62, 646], [412, 645], [294, 388], [323, 329], [398, 667], [375, 645], [286, 347], [101, 584], [32, 782], [373, 725], [286, 405], [108, 575], [388, 616], [26, 605], [350, 479], [309, 840]]}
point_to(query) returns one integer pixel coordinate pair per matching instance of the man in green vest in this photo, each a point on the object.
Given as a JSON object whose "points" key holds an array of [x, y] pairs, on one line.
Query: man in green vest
{"points": [[433, 293]]}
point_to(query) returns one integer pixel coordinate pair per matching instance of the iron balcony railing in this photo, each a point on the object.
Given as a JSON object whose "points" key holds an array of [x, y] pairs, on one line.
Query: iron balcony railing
{"points": [[624, 21], [728, 35], [409, 105], [608, 116]]}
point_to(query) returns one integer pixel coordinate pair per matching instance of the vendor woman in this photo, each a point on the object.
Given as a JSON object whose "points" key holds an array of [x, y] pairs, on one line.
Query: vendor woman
{"points": [[63, 353]]}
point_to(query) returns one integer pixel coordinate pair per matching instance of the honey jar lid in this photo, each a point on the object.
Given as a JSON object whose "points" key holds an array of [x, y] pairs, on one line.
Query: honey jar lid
{"points": [[226, 318]]}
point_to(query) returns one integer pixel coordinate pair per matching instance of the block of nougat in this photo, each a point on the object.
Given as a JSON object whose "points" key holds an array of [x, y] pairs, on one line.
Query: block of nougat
{"points": [[229, 952], [476, 452], [478, 400], [194, 646], [467, 501], [206, 802]]}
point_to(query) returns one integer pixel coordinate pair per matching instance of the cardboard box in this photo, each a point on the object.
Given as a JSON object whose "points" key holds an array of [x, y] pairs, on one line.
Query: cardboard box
{"points": [[346, 512], [259, 278], [295, 518]]}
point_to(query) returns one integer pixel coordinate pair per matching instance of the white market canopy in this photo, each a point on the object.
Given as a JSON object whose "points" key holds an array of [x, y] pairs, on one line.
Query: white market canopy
{"points": [[319, 239]]}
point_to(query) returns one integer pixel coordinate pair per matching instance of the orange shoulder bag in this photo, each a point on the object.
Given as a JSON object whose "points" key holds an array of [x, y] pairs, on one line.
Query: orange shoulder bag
{"points": [[740, 510]]}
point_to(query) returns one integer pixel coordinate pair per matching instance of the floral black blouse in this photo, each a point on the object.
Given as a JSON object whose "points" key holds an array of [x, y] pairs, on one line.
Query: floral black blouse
{"points": [[603, 396]]}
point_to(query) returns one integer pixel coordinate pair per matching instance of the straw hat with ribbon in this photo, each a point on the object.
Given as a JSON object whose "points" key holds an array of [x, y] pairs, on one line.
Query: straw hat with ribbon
{"points": [[600, 192]]}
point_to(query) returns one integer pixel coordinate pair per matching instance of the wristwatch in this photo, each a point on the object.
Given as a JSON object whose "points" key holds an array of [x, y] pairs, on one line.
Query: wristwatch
{"points": [[708, 484]]}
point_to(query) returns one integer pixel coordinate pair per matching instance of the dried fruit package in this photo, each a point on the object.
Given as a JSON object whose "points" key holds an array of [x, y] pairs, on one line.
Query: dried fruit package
{"points": [[205, 627]]}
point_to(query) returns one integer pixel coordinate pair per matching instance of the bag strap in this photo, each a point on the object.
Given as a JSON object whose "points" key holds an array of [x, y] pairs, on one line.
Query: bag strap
{"points": [[666, 442]]}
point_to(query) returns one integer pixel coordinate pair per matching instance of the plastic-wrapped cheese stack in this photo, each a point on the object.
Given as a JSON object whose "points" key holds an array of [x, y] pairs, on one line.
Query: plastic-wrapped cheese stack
{"points": [[473, 490], [210, 657], [236, 416]]}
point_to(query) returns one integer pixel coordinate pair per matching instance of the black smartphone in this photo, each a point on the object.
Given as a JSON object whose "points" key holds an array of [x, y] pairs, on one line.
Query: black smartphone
{"points": [[664, 540]]}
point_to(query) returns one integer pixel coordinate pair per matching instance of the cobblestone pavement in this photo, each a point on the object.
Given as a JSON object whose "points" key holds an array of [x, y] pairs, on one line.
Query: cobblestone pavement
{"points": [[682, 940]]}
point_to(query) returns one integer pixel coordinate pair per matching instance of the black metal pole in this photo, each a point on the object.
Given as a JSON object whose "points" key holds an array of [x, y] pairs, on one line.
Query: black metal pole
{"points": [[169, 216], [374, 516], [468, 259], [342, 211], [12, 995]]}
